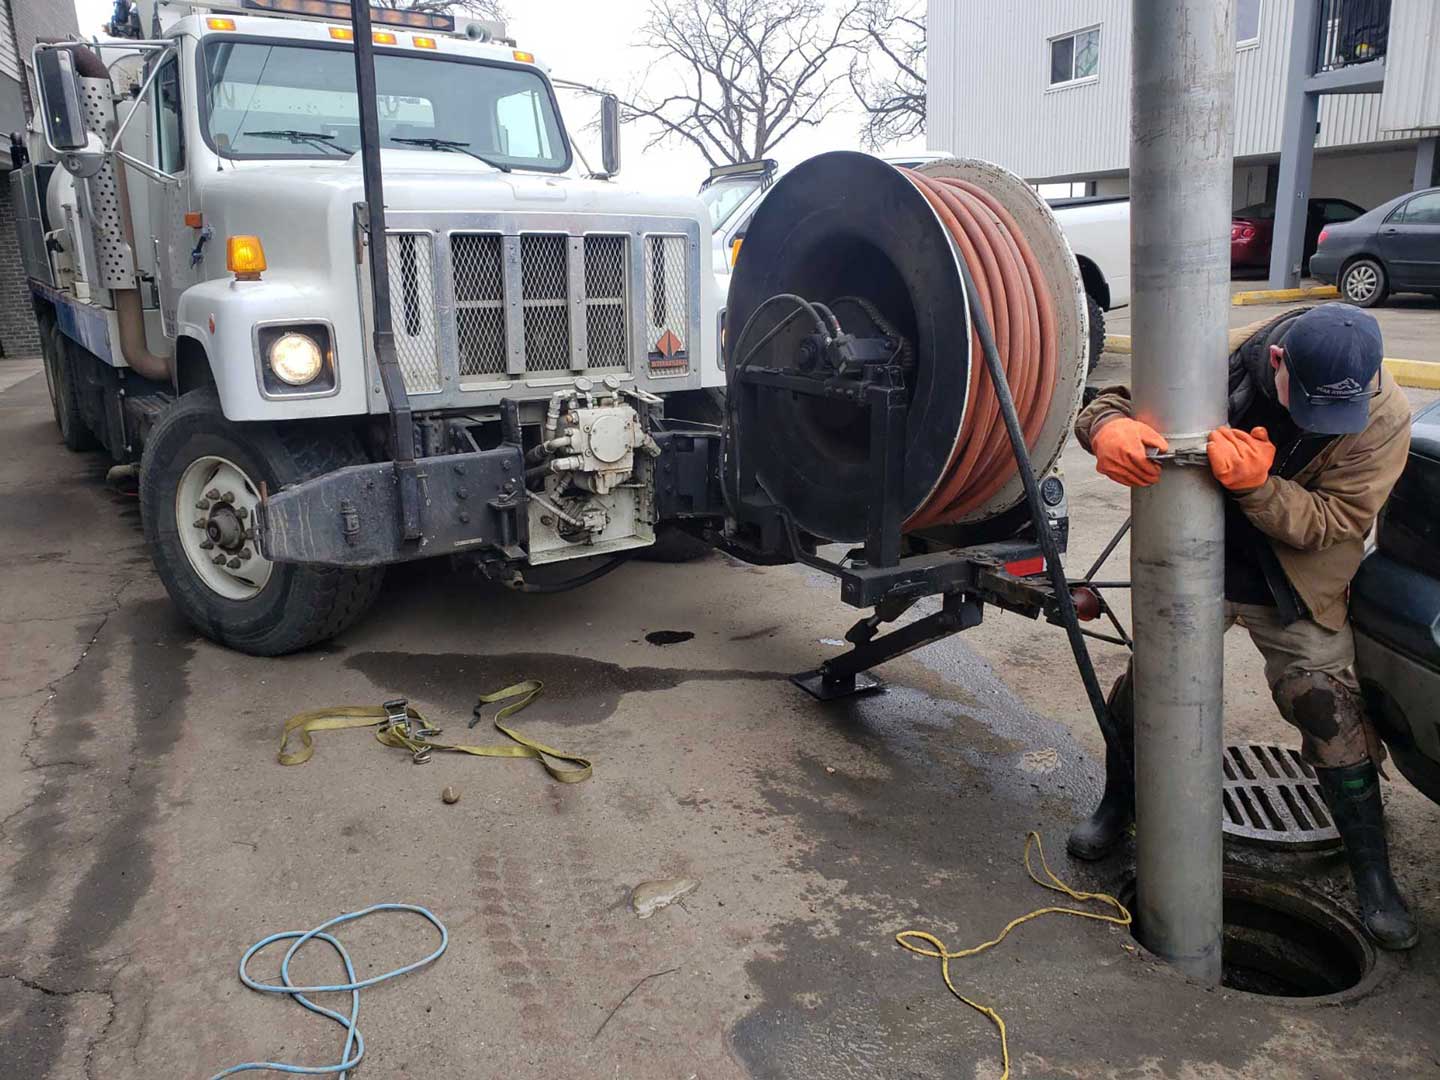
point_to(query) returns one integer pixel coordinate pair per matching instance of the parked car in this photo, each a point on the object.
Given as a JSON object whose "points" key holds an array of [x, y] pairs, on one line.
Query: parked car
{"points": [[1097, 228], [1395, 609], [1253, 228], [1393, 248]]}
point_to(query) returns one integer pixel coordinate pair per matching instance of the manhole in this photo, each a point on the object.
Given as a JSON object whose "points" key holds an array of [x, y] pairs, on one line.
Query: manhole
{"points": [[1273, 800], [1287, 944]]}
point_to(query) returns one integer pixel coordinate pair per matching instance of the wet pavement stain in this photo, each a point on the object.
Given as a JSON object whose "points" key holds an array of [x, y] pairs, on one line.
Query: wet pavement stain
{"points": [[578, 689], [894, 837], [669, 637], [106, 894]]}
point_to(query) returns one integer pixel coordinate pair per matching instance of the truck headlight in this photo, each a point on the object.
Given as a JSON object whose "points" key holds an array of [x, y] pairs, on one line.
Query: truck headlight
{"points": [[296, 358]]}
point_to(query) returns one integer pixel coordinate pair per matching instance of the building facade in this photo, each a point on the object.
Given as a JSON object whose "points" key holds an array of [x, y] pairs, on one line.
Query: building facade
{"points": [[1043, 88], [22, 23]]}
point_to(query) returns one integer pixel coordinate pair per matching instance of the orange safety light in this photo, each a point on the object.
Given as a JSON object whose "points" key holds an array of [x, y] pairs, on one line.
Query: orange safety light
{"points": [[244, 257], [220, 24], [342, 33], [382, 37], [735, 250], [422, 42], [523, 57]]}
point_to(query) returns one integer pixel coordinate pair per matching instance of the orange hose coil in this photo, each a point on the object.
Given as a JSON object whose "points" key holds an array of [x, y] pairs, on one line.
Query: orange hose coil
{"points": [[1016, 298]]}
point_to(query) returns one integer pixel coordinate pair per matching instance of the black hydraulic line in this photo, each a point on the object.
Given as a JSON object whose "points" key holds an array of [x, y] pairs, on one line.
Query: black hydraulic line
{"points": [[572, 583], [402, 430], [1046, 537]]}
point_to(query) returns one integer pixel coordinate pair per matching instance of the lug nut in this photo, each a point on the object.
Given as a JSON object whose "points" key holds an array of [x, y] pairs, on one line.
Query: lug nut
{"points": [[206, 545], [233, 564], [228, 498], [218, 560], [213, 493], [200, 523], [246, 555], [203, 504], [241, 512]]}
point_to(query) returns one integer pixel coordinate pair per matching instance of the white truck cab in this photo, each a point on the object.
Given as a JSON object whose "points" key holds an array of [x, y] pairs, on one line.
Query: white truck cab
{"points": [[193, 224]]}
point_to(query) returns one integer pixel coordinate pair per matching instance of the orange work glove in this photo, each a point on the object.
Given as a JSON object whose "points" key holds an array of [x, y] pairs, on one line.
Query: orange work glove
{"points": [[1239, 461], [1119, 449]]}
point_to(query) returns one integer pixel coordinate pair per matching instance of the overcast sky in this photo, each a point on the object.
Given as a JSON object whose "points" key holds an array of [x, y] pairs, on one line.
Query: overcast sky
{"points": [[590, 41]]}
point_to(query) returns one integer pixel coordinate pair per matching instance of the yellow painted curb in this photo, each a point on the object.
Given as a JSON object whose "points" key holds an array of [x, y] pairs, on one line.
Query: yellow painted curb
{"points": [[1421, 374], [1283, 296]]}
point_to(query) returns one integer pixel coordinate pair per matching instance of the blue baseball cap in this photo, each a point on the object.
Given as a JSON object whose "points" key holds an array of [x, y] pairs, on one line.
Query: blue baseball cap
{"points": [[1333, 354]]}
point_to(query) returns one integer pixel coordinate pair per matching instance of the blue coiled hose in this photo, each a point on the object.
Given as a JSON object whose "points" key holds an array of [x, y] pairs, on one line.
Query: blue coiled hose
{"points": [[353, 1039]]}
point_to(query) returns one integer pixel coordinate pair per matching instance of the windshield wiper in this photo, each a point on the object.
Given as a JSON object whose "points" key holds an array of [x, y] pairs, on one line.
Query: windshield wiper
{"points": [[315, 138], [453, 145]]}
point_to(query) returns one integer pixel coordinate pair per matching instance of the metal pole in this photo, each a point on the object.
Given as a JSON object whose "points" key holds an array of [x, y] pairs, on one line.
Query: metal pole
{"points": [[1182, 140], [402, 429], [1297, 148]]}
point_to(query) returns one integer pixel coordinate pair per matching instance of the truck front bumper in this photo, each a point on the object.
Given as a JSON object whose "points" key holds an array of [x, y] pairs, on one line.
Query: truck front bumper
{"points": [[472, 502]]}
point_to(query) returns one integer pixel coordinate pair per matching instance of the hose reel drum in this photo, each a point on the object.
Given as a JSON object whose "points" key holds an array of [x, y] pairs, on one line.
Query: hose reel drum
{"points": [[852, 265]]}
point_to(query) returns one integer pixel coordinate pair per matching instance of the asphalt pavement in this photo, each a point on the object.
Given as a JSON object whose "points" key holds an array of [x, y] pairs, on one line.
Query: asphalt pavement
{"points": [[148, 836]]}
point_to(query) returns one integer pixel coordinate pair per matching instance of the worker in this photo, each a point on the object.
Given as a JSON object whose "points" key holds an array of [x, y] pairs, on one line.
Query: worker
{"points": [[1318, 436]]}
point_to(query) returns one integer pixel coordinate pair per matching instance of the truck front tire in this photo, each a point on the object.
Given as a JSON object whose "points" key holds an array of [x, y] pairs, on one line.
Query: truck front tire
{"points": [[199, 482]]}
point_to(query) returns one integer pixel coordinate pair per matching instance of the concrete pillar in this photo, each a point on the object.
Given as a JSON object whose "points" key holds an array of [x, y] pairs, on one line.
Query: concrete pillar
{"points": [[1297, 150], [1181, 174], [1427, 164]]}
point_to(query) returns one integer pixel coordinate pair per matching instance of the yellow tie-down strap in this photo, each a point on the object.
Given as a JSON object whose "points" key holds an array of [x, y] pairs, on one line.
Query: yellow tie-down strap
{"points": [[400, 725]]}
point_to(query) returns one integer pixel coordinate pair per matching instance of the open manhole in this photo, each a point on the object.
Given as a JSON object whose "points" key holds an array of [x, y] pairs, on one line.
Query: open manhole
{"points": [[1273, 800], [1285, 943]]}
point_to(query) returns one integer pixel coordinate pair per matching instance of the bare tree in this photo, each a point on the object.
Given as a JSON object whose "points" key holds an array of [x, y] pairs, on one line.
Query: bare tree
{"points": [[480, 9], [888, 70], [744, 73]]}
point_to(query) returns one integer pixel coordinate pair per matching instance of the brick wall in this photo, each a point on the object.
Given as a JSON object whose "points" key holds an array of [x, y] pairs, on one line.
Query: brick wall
{"points": [[18, 335]]}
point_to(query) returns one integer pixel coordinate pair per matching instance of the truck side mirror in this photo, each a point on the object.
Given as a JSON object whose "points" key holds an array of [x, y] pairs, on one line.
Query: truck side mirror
{"points": [[60, 99], [610, 134]]}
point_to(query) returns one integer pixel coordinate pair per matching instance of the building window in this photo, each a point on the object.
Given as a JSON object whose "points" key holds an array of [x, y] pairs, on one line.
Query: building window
{"points": [[1247, 22], [1075, 56]]}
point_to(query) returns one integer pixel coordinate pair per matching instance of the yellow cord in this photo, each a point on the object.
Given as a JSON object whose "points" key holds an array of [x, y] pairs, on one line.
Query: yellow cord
{"points": [[906, 938]]}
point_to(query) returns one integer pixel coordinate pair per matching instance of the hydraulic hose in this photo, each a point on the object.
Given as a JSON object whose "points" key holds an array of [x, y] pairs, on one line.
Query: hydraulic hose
{"points": [[1006, 279], [1013, 428]]}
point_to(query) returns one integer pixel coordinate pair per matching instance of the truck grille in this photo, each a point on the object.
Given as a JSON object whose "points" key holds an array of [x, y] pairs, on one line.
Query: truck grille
{"points": [[412, 309], [667, 289], [479, 262], [538, 304]]}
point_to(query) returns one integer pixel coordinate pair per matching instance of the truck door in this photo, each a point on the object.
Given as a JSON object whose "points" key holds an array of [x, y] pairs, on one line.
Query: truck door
{"points": [[172, 240], [1410, 242]]}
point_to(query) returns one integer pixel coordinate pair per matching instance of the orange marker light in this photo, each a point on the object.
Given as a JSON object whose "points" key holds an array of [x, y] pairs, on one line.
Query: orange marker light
{"points": [[220, 24], [342, 33], [523, 57], [244, 257], [422, 42], [735, 250], [382, 37], [194, 219]]}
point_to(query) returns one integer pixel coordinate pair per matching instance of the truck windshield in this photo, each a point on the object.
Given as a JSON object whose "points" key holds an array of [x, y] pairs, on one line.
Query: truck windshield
{"points": [[266, 99], [724, 197]]}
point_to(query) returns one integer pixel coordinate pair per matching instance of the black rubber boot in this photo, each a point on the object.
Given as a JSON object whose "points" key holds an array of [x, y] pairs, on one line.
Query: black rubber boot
{"points": [[1353, 796], [1106, 828]]}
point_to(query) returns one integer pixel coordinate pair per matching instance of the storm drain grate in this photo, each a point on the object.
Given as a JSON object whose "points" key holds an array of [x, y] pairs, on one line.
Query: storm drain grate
{"points": [[1273, 799]]}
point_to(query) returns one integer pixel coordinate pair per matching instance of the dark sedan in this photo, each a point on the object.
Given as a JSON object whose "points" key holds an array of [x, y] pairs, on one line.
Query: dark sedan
{"points": [[1253, 228], [1393, 248]]}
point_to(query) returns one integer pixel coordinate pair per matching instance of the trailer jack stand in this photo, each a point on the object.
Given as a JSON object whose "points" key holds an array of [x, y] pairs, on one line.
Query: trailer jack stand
{"points": [[846, 675]]}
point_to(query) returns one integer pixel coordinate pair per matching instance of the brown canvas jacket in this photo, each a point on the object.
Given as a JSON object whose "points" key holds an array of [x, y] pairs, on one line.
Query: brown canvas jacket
{"points": [[1318, 521]]}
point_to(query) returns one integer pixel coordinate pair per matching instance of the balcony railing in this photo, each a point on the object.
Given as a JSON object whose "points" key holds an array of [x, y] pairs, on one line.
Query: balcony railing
{"points": [[1351, 32]]}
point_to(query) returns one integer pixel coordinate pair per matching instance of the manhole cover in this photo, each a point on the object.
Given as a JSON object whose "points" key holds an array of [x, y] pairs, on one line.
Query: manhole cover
{"points": [[1272, 799]]}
